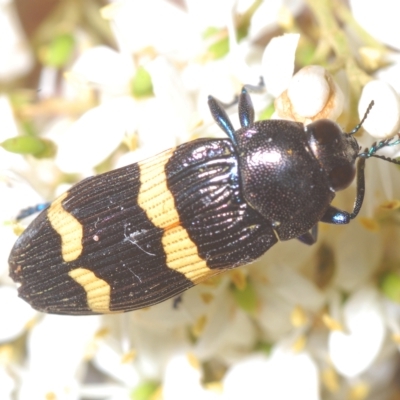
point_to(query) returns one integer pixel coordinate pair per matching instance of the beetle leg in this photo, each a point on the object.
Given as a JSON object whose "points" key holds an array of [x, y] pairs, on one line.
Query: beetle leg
{"points": [[27, 212], [176, 301], [334, 215], [309, 237], [360, 187]]}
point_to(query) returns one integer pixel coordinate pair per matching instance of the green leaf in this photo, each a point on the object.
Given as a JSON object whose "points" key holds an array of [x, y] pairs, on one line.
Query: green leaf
{"points": [[267, 112], [219, 49], [246, 298], [35, 146], [219, 42], [141, 84], [264, 347], [390, 286], [144, 391], [58, 51]]}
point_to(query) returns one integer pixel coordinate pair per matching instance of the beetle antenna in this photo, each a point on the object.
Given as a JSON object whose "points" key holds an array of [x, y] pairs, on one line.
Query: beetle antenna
{"points": [[370, 152], [246, 109], [359, 125], [221, 118], [259, 88]]}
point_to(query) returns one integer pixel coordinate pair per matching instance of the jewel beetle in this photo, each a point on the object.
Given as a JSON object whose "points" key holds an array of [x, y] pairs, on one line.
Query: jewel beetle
{"points": [[141, 234]]}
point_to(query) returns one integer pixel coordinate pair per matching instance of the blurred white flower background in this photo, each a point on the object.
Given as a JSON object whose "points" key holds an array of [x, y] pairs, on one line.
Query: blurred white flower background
{"points": [[93, 85]]}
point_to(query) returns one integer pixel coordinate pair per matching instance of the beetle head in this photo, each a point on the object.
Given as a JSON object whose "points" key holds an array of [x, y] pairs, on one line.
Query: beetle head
{"points": [[335, 150]]}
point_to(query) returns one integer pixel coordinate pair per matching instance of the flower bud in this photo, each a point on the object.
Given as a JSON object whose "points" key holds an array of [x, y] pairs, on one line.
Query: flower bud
{"points": [[384, 118], [312, 94]]}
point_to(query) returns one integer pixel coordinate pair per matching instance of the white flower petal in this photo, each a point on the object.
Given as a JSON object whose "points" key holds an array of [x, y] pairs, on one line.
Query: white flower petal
{"points": [[150, 333], [278, 63], [32, 388], [156, 127], [180, 378], [95, 135], [381, 179], [353, 351], [380, 20], [137, 26], [291, 253], [15, 315], [7, 384], [310, 79], [226, 333], [384, 118], [16, 195], [202, 18], [182, 381], [267, 16], [60, 341], [247, 379], [109, 359], [357, 263], [274, 314], [172, 98], [284, 375], [390, 73], [104, 66], [294, 288], [57, 347], [109, 391]]}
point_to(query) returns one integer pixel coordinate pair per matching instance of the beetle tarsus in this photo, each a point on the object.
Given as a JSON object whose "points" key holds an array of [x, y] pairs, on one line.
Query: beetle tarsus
{"points": [[335, 216], [309, 237]]}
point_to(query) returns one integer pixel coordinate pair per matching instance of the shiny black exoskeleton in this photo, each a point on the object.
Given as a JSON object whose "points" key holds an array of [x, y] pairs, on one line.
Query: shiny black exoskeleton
{"points": [[289, 172], [141, 234]]}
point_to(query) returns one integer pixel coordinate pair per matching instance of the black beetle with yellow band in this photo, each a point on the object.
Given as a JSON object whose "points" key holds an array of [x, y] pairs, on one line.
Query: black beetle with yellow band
{"points": [[141, 234]]}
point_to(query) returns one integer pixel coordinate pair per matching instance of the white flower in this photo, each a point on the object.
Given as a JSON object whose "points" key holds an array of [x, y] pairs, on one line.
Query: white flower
{"points": [[379, 20], [270, 15], [283, 375], [356, 264], [286, 290], [15, 314], [182, 380], [278, 63], [355, 349], [384, 118], [137, 25], [94, 66], [95, 135], [312, 94], [57, 347], [14, 192], [8, 384]]}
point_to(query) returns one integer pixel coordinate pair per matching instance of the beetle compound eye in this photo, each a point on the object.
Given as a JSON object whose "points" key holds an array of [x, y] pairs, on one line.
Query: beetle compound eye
{"points": [[324, 131], [341, 176]]}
